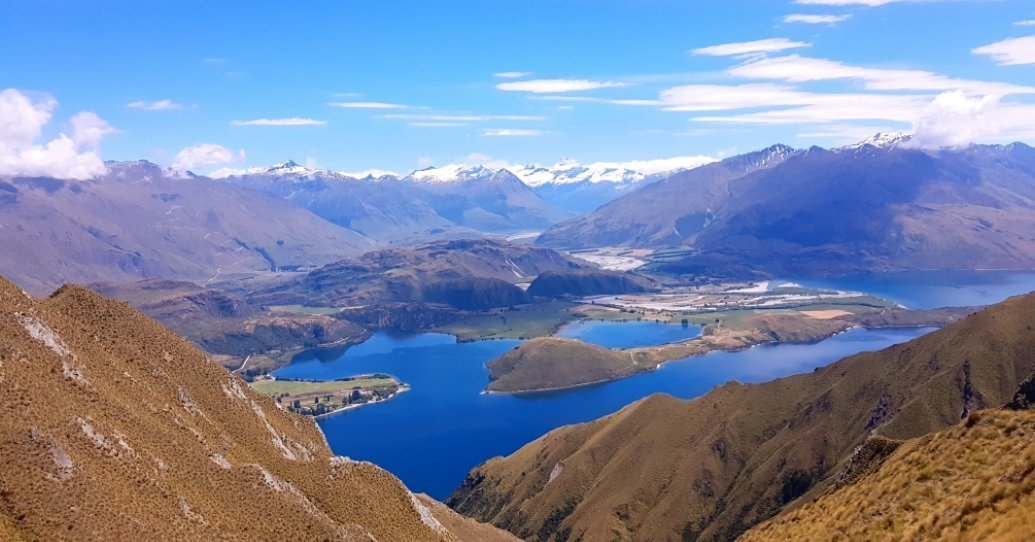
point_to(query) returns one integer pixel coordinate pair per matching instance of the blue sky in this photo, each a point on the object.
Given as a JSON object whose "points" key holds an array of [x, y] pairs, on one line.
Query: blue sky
{"points": [[162, 76]]}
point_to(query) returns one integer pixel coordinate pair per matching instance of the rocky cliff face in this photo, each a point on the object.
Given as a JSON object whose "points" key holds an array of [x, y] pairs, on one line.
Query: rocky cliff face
{"points": [[113, 428]]}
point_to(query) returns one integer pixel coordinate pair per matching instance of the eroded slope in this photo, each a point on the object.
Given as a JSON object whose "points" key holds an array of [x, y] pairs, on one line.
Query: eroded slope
{"points": [[113, 428]]}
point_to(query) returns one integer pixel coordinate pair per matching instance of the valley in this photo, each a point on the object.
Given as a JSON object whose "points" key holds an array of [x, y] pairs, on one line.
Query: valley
{"points": [[517, 271]]}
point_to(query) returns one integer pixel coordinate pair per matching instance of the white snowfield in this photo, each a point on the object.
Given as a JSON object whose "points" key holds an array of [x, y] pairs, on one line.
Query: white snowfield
{"points": [[562, 173]]}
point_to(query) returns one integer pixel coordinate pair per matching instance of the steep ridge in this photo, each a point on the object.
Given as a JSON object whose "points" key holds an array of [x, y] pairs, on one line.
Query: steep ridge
{"points": [[874, 208], [140, 221], [666, 212], [113, 428], [877, 206], [712, 467], [975, 481]]}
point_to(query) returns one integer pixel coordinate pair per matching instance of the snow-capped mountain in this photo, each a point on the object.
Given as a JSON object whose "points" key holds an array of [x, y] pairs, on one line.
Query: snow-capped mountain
{"points": [[565, 171], [881, 140], [294, 170], [572, 172]]}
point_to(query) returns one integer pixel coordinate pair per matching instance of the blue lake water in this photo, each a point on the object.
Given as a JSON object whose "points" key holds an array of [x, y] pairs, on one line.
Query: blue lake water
{"points": [[932, 289], [432, 435], [627, 334]]}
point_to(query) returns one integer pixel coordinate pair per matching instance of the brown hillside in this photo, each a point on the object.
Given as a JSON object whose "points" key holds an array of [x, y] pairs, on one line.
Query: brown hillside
{"points": [[545, 363], [710, 468], [113, 428], [974, 481]]}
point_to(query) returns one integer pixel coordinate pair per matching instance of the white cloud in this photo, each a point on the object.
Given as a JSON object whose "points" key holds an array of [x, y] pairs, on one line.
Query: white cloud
{"points": [[954, 120], [504, 132], [750, 48], [290, 121], [511, 75], [205, 154], [815, 19], [1027, 22], [88, 129], [1011, 52], [592, 99], [847, 133], [158, 105], [66, 157], [548, 86], [461, 118], [799, 69], [369, 105]]}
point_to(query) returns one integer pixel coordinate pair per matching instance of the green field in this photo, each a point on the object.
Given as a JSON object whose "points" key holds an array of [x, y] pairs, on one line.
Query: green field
{"points": [[317, 398], [298, 387]]}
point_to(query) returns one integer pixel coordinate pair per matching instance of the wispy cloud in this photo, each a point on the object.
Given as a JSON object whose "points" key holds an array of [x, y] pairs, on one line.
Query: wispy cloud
{"points": [[158, 105], [815, 18], [436, 124], [1011, 52], [369, 105], [205, 154], [799, 69], [214, 60], [548, 86], [461, 118], [289, 121], [1026, 22], [511, 75], [771, 45], [593, 99], [506, 132]]}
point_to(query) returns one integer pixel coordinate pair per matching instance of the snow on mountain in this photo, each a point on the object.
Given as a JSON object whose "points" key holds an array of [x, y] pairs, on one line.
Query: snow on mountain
{"points": [[451, 173], [570, 171], [293, 169], [564, 172], [881, 140]]}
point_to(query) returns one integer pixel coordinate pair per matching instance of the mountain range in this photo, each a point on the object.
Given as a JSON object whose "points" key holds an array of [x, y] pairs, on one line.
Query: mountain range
{"points": [[878, 205], [142, 221], [568, 185]]}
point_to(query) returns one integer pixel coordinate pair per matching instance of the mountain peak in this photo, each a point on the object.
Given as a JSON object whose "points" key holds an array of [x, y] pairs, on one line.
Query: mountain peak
{"points": [[882, 140]]}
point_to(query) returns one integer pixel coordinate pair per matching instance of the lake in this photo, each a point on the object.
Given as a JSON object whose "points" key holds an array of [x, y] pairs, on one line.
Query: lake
{"points": [[627, 334], [932, 289], [432, 435]]}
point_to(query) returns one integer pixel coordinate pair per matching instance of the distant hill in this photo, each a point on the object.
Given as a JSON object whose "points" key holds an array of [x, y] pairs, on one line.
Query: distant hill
{"points": [[816, 211], [140, 221], [113, 428], [973, 481], [470, 274], [712, 467], [584, 282]]}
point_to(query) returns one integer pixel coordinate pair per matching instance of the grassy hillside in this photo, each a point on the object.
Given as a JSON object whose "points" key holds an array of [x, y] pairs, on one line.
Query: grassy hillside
{"points": [[570, 362], [712, 467], [975, 481], [113, 428]]}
